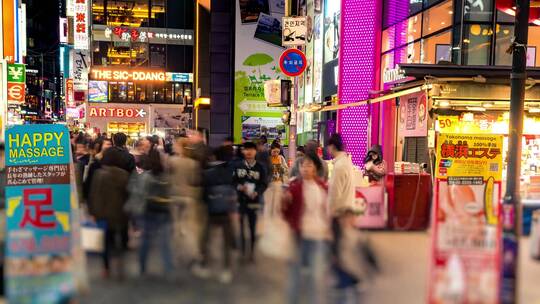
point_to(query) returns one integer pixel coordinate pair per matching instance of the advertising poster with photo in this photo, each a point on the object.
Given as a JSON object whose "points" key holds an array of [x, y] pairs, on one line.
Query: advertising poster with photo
{"points": [[258, 48], [413, 116], [170, 118], [465, 255], [255, 127], [308, 74], [40, 261]]}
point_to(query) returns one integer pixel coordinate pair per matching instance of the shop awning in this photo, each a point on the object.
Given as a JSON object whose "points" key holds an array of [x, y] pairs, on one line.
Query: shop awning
{"points": [[420, 71]]}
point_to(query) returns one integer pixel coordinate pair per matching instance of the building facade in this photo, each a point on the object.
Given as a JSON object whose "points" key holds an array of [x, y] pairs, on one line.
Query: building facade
{"points": [[141, 53]]}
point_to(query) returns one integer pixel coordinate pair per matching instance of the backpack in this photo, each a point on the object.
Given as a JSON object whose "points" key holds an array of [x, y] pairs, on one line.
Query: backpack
{"points": [[221, 199], [158, 197]]}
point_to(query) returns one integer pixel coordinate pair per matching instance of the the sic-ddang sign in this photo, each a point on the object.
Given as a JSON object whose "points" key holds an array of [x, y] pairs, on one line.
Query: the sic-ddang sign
{"points": [[127, 75]]}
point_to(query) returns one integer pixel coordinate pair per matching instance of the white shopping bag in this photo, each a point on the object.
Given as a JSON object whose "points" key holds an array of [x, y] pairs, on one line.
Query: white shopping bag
{"points": [[93, 239], [277, 240]]}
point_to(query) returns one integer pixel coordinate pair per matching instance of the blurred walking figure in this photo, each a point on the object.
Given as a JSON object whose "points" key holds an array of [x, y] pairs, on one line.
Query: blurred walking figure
{"points": [[220, 199], [107, 197], [100, 146], [279, 169], [306, 209], [157, 220], [311, 147], [249, 178], [341, 185], [185, 177], [198, 148]]}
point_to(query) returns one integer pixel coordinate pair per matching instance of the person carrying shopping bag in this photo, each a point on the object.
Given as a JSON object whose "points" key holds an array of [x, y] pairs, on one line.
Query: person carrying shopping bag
{"points": [[305, 208]]}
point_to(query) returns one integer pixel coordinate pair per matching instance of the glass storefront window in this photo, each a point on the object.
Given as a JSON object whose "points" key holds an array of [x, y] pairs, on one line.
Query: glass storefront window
{"points": [[388, 38], [503, 36], [409, 53], [438, 17], [133, 13], [504, 17], [476, 44], [437, 48], [158, 13], [414, 28], [98, 12], [533, 46], [478, 10], [396, 11]]}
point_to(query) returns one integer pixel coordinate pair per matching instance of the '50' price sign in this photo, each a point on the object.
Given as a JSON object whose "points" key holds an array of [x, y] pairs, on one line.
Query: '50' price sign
{"points": [[447, 124]]}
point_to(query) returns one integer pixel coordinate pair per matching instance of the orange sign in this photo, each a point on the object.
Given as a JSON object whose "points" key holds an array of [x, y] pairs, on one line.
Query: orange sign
{"points": [[70, 102], [15, 92], [8, 29], [127, 75]]}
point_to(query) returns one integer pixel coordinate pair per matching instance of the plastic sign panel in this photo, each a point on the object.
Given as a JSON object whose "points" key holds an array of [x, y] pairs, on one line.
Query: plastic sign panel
{"points": [[15, 93], [465, 256], [81, 38], [292, 62], [70, 97], [81, 65], [16, 73], [294, 31], [98, 91], [127, 75], [39, 257], [179, 77]]}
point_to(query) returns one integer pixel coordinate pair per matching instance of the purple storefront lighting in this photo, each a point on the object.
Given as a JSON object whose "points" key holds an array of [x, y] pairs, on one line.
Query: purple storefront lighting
{"points": [[357, 71]]}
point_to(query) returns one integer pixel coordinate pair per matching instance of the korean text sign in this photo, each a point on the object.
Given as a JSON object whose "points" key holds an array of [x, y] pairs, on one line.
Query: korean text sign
{"points": [[465, 248], [38, 212]]}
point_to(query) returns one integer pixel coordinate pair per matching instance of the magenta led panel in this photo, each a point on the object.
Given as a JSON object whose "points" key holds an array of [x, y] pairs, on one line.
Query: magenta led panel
{"points": [[357, 71]]}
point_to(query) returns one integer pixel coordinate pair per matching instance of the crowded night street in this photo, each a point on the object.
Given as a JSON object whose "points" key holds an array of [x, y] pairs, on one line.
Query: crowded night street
{"points": [[270, 151]]}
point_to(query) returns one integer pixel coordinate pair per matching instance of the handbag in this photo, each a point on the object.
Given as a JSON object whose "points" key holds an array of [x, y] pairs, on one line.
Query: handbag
{"points": [[277, 239], [93, 237]]}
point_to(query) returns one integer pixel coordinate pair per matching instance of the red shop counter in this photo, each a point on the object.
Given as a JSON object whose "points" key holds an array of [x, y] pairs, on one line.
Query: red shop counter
{"points": [[409, 201]]}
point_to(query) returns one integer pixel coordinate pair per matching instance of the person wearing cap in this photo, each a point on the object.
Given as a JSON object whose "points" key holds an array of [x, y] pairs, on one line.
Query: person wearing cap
{"points": [[250, 180]]}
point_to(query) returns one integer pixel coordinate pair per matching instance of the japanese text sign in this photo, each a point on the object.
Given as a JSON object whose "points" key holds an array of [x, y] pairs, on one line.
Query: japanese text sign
{"points": [[294, 31], [469, 155], [465, 251], [38, 213], [81, 25]]}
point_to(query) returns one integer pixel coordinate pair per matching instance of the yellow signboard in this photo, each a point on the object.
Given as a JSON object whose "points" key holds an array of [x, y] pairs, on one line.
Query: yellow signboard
{"points": [[469, 155]]}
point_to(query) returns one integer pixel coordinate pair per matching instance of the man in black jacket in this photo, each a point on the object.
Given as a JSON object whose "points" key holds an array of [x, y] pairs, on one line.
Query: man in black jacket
{"points": [[122, 158], [249, 178]]}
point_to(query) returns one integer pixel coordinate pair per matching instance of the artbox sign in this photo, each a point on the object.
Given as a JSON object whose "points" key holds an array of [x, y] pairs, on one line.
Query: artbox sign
{"points": [[117, 112], [81, 39], [127, 75]]}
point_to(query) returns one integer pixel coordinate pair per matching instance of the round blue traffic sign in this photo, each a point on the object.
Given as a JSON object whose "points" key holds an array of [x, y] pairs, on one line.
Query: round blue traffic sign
{"points": [[292, 62]]}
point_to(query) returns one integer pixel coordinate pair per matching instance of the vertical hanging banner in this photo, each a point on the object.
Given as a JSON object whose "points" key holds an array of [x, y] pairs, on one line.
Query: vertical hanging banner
{"points": [[81, 39], [39, 259], [465, 255]]}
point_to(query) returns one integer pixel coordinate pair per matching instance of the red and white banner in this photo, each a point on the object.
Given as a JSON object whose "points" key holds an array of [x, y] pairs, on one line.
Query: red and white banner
{"points": [[81, 39]]}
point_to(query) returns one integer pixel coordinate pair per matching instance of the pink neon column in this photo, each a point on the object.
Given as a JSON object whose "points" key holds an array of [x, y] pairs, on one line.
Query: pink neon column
{"points": [[357, 71]]}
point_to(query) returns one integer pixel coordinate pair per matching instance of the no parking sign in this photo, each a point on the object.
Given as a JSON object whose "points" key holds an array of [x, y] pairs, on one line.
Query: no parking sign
{"points": [[292, 62]]}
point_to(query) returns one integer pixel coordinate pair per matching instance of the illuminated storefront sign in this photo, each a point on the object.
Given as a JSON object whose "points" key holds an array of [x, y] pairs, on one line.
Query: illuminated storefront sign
{"points": [[117, 112], [179, 77], [81, 25], [81, 64], [70, 96], [152, 35], [127, 75]]}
